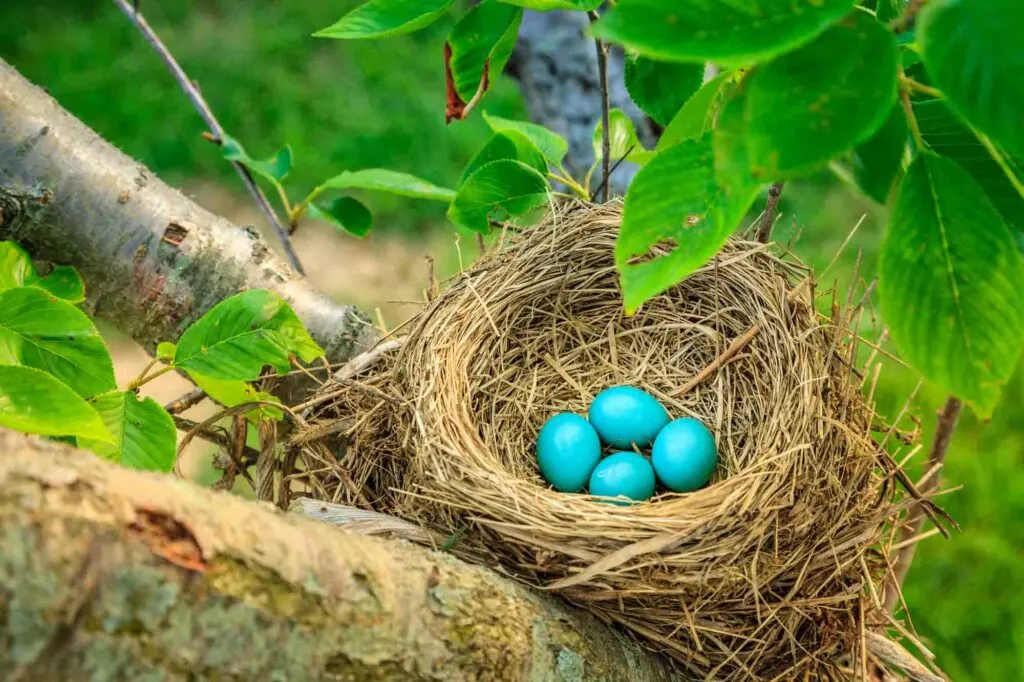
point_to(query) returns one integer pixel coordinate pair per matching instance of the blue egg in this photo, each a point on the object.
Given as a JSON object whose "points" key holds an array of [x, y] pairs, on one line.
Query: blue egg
{"points": [[568, 449], [624, 415], [623, 473], [684, 455]]}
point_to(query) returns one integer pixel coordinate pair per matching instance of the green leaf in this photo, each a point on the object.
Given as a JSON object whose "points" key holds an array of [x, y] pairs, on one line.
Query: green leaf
{"points": [[510, 144], [546, 5], [661, 88], [275, 169], [231, 392], [623, 139], [382, 18], [675, 218], [497, 190], [347, 213], [15, 266], [64, 283], [727, 32], [242, 334], [393, 182], [878, 160], [950, 279], [887, 10], [17, 270], [972, 51], [946, 135], [697, 116], [35, 402], [165, 350], [811, 105], [553, 146], [40, 331], [481, 43], [144, 434]]}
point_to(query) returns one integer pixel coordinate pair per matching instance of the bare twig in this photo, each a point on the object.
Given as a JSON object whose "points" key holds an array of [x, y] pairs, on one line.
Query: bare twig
{"points": [[771, 212], [604, 182], [192, 92], [606, 140], [235, 465], [179, 405], [215, 435], [948, 417]]}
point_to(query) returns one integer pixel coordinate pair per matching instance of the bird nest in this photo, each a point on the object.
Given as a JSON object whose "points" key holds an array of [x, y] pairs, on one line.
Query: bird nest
{"points": [[774, 570]]}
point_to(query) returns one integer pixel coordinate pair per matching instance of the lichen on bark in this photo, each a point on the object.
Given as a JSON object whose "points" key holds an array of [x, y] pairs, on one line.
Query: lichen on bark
{"points": [[91, 590]]}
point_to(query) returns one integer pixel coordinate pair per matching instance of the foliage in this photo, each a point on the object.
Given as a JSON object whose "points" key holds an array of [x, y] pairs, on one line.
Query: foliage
{"points": [[806, 85], [57, 378], [358, 104]]}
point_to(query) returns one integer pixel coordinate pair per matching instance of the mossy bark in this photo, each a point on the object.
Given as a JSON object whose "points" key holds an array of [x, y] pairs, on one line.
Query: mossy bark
{"points": [[152, 259], [111, 574]]}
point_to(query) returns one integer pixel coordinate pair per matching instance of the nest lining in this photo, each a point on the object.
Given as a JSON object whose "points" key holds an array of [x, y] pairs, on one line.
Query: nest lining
{"points": [[769, 572]]}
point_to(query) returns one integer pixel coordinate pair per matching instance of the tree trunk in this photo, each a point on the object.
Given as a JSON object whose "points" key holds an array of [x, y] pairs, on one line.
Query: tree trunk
{"points": [[112, 574], [154, 261]]}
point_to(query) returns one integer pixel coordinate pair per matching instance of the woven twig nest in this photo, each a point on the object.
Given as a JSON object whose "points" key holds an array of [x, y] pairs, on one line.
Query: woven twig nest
{"points": [[773, 570]]}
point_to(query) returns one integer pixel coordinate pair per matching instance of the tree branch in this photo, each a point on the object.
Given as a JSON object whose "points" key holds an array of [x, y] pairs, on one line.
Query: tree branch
{"points": [[154, 261], [606, 133], [145, 576], [556, 65], [949, 415], [199, 103], [771, 211]]}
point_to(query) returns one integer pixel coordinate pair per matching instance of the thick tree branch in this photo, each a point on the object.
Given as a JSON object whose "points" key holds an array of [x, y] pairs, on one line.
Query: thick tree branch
{"points": [[153, 260], [120, 575], [191, 91]]}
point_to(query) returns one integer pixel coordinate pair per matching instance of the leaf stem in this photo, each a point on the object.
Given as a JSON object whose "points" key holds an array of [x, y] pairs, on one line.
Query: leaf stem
{"points": [[303, 206], [920, 87], [570, 183], [1001, 160], [144, 379], [606, 140], [908, 109], [284, 200], [140, 379]]}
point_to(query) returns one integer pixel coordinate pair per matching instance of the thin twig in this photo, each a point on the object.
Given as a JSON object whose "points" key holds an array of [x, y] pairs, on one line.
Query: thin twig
{"points": [[214, 435], [192, 92], [606, 140], [771, 212], [604, 182], [948, 417], [179, 405]]}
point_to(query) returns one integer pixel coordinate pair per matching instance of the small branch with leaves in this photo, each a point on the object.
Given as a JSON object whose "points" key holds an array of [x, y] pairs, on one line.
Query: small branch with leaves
{"points": [[217, 134]]}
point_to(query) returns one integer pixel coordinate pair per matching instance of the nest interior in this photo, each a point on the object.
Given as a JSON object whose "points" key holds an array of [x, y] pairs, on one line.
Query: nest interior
{"points": [[771, 571]]}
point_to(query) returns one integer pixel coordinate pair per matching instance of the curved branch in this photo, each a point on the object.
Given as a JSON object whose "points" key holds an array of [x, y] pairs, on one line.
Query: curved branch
{"points": [[153, 260], [146, 576]]}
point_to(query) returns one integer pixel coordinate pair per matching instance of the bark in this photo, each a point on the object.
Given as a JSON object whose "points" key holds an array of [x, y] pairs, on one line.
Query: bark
{"points": [[153, 260], [556, 65], [112, 574]]}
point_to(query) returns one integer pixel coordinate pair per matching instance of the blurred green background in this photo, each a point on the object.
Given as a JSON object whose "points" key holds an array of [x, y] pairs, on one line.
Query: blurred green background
{"points": [[380, 104]]}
